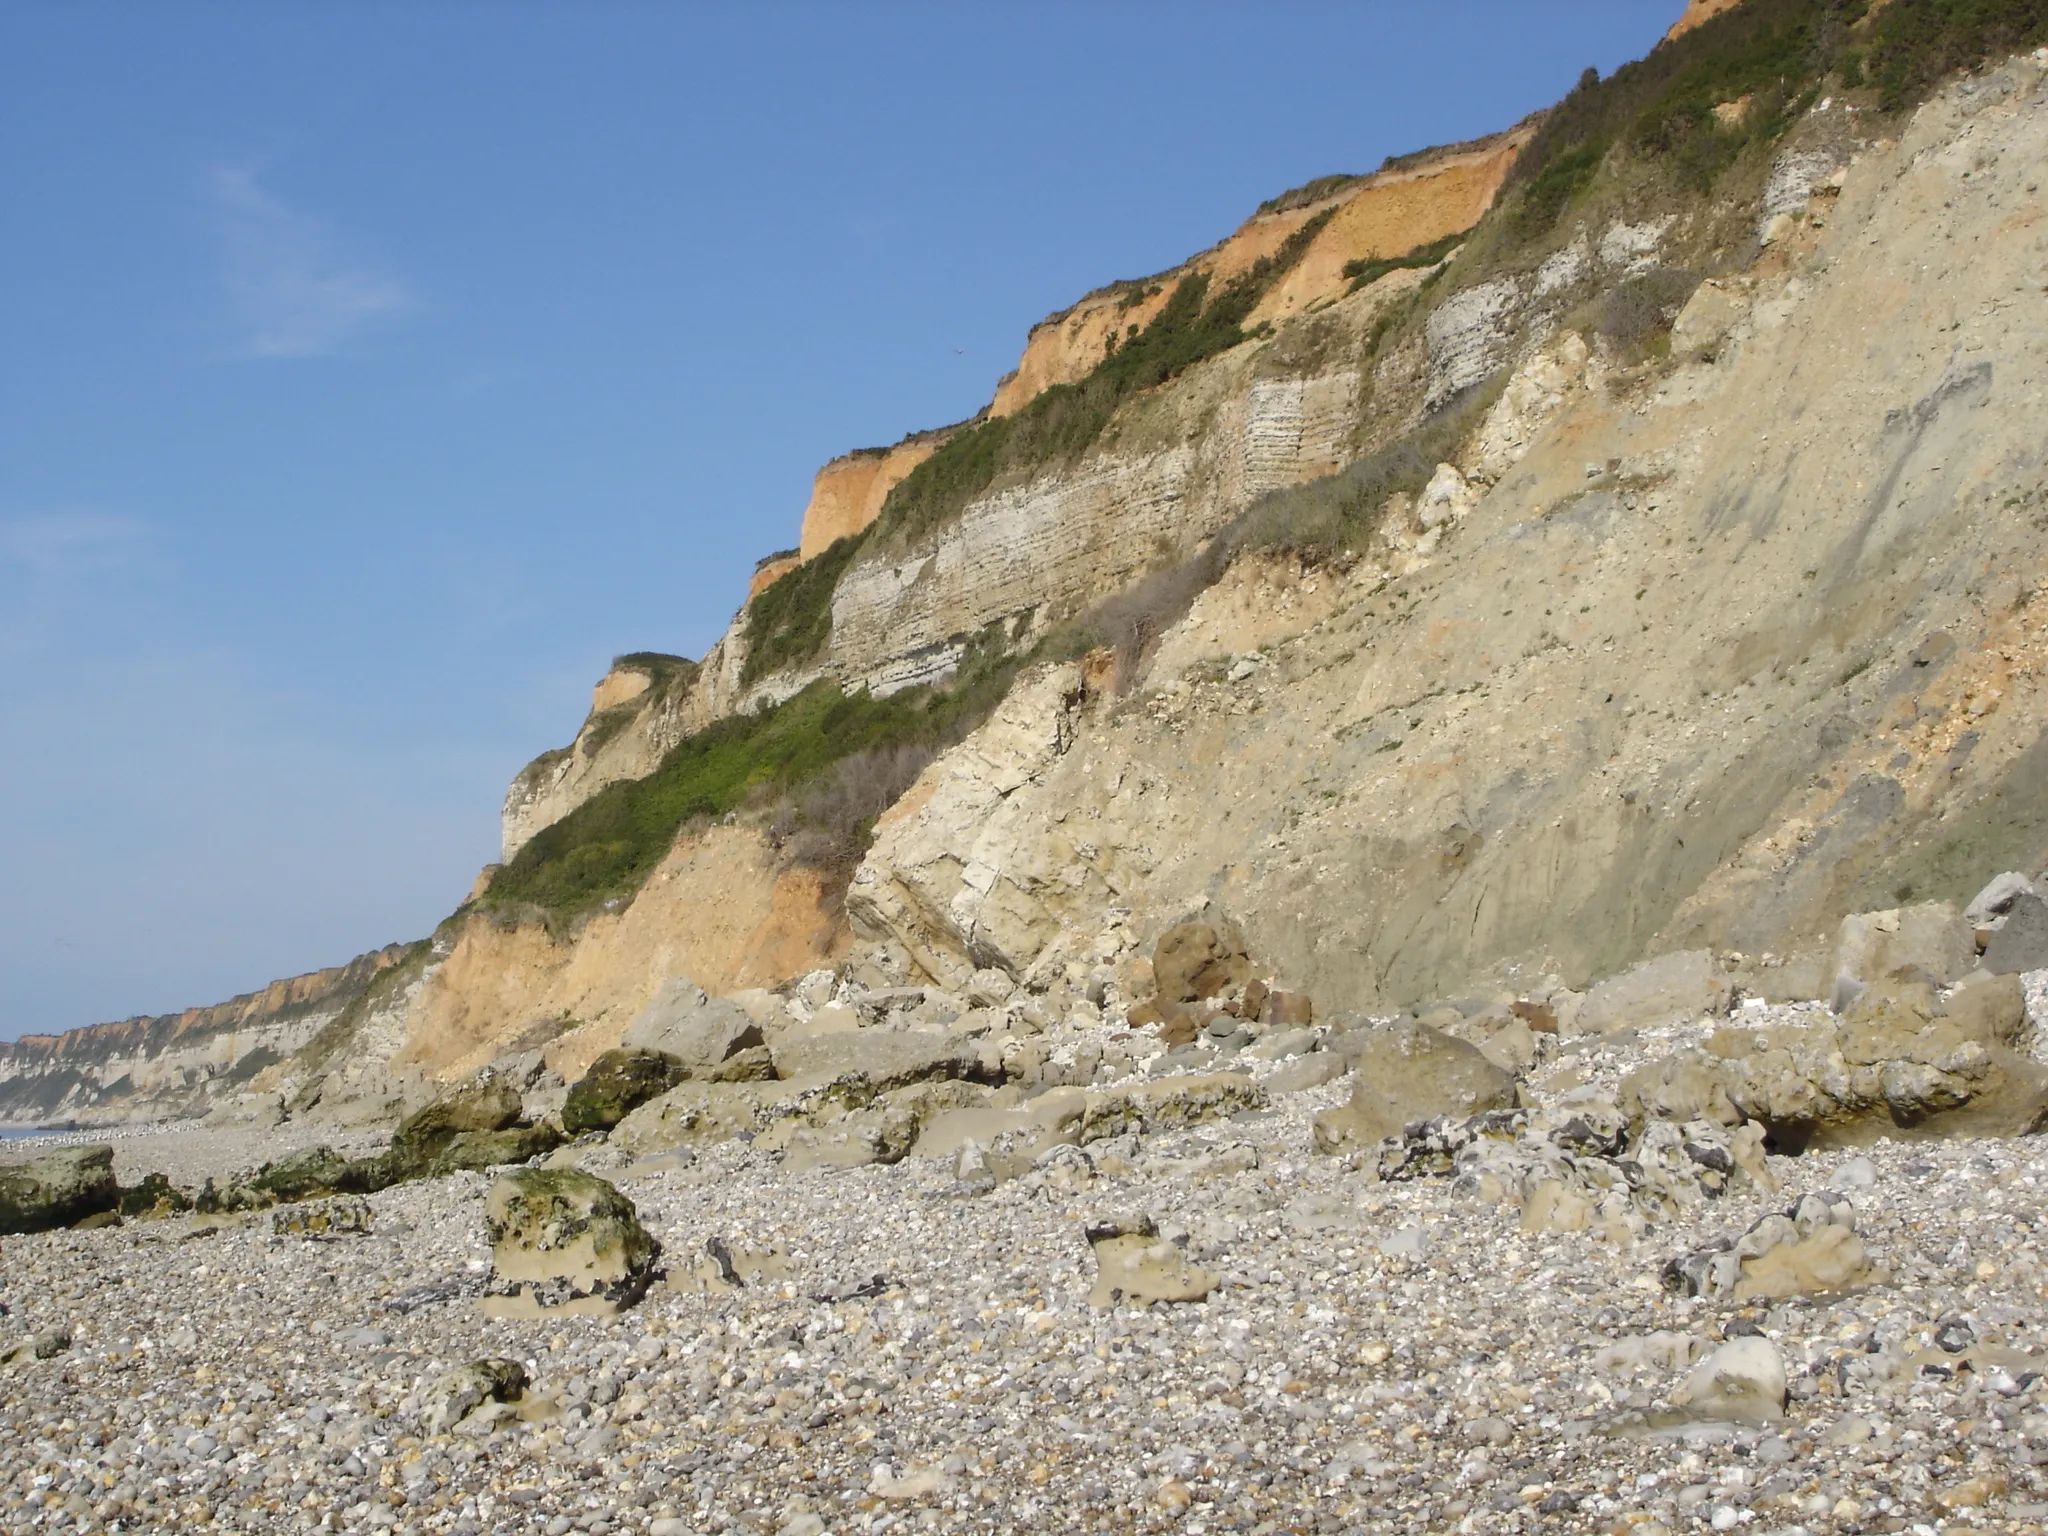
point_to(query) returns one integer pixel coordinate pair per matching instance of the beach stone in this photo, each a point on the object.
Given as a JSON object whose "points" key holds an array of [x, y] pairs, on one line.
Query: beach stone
{"points": [[618, 1083], [564, 1241], [1134, 1264], [698, 1030], [463, 1390], [57, 1189], [1408, 1072], [2021, 944]]}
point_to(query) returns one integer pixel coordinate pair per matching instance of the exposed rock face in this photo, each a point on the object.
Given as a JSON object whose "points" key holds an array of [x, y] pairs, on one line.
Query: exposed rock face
{"points": [[1386, 214], [564, 1242], [639, 709], [848, 493], [176, 1064]]}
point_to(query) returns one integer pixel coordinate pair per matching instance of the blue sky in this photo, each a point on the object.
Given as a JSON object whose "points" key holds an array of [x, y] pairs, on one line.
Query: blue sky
{"points": [[373, 373]]}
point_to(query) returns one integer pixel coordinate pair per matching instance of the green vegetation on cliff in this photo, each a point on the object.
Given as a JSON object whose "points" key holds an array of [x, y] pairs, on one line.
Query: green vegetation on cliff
{"points": [[608, 845], [1760, 64]]}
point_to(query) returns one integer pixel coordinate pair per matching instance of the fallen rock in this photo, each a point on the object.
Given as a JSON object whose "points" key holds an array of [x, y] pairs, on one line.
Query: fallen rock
{"points": [[2021, 943], [1988, 908], [618, 1083], [489, 1103], [1742, 1382], [57, 1189], [1894, 1064], [1408, 1072], [564, 1241], [467, 1388], [1199, 960], [1933, 941], [698, 1030], [886, 1058], [478, 1150], [1663, 990], [1134, 1264], [1168, 1104]]}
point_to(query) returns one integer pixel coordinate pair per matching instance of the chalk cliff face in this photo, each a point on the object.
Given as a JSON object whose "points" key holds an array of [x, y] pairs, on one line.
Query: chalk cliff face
{"points": [[1705, 655], [175, 1064]]}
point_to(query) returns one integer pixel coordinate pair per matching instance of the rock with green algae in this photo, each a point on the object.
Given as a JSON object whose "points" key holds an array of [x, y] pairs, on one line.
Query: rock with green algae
{"points": [[564, 1242], [57, 1189], [618, 1083]]}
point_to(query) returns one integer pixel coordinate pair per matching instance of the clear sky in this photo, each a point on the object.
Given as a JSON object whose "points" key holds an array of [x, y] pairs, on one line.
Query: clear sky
{"points": [[370, 374]]}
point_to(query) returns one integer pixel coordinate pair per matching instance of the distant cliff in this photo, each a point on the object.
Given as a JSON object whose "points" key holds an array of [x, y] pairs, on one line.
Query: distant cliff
{"points": [[175, 1064]]}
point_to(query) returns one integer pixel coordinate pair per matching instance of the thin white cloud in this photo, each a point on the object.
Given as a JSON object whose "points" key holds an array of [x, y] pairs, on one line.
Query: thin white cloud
{"points": [[295, 290], [54, 544], [58, 570]]}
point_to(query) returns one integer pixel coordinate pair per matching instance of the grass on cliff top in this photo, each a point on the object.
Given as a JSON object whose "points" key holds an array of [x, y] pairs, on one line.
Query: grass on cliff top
{"points": [[791, 622], [607, 846]]}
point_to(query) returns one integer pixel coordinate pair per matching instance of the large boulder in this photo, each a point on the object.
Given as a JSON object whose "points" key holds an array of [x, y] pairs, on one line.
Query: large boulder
{"points": [[1408, 1072], [618, 1083], [1662, 990], [57, 1189], [698, 1030], [489, 1103], [564, 1242], [1896, 1064], [1199, 960], [1933, 941], [310, 1174]]}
